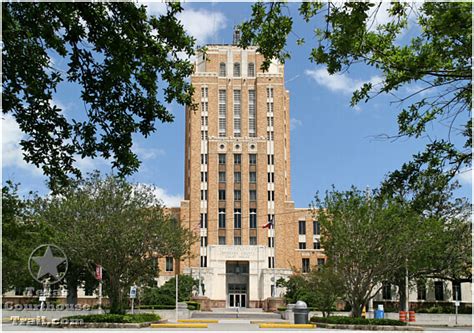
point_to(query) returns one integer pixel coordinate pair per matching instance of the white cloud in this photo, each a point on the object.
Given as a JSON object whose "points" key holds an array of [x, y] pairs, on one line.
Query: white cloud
{"points": [[465, 176], [160, 194], [339, 82], [147, 153], [202, 24], [294, 123], [12, 155], [154, 8]]}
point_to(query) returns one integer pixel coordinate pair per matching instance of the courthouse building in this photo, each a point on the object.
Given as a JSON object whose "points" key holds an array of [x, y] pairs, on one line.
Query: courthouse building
{"points": [[237, 194]]}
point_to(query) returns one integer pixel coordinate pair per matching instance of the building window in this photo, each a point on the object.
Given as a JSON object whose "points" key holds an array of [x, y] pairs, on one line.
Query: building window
{"points": [[302, 227], [222, 71], [203, 158], [269, 93], [203, 135], [270, 135], [321, 261], [302, 245], [204, 120], [222, 112], [221, 176], [203, 261], [253, 218], [237, 112], [237, 69], [221, 240], [237, 158], [204, 220], [270, 121], [271, 177], [271, 159], [439, 291], [203, 176], [204, 92], [237, 240], [252, 114], [237, 177], [421, 291], [457, 291], [237, 219], [221, 218], [252, 177], [271, 262], [253, 159], [221, 194], [251, 69], [305, 265], [316, 228], [271, 242], [316, 245], [204, 195], [169, 264], [271, 195], [253, 240], [203, 241], [221, 158], [387, 291], [252, 195], [237, 195]]}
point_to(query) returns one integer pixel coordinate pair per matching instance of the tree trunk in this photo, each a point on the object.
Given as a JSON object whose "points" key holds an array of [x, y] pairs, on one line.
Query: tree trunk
{"points": [[115, 297], [402, 295], [71, 293]]}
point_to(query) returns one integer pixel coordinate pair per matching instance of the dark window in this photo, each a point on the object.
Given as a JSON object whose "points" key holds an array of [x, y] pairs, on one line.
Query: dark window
{"points": [[439, 291], [271, 262], [253, 159], [221, 240], [302, 245], [237, 69], [237, 158], [221, 158], [271, 159], [237, 219], [237, 195], [253, 195], [321, 261], [316, 228], [203, 261], [305, 265], [237, 240], [421, 291], [203, 158], [222, 218], [237, 177], [271, 177], [251, 69], [169, 264], [253, 218], [203, 194], [387, 291], [222, 69], [316, 245], [457, 291], [204, 220], [271, 195], [271, 242], [221, 194], [253, 240], [221, 176], [203, 176], [204, 241], [252, 177], [302, 227]]}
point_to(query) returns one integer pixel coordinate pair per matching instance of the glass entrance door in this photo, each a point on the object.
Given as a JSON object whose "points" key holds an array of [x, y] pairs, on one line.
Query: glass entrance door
{"points": [[237, 300]]}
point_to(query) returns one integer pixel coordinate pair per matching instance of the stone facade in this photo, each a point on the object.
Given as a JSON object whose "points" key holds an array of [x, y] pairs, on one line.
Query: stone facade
{"points": [[237, 179]]}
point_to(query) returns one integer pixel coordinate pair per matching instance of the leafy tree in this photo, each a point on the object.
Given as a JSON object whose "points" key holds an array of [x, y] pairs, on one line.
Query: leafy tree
{"points": [[115, 224], [365, 238], [437, 59], [124, 63], [165, 295], [326, 284]]}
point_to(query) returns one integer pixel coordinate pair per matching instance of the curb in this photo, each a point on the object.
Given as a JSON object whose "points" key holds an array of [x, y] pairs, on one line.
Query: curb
{"points": [[206, 321], [268, 325], [178, 325], [371, 327]]}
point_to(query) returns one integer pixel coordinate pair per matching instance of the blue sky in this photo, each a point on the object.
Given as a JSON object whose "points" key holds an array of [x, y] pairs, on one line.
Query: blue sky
{"points": [[331, 143]]}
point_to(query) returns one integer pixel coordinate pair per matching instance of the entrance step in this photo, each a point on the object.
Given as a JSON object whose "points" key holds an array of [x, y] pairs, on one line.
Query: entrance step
{"points": [[234, 314]]}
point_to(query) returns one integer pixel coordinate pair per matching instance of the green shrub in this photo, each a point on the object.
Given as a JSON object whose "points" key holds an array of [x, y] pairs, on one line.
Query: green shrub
{"points": [[282, 308], [356, 321], [117, 318], [166, 294], [193, 305], [156, 307]]}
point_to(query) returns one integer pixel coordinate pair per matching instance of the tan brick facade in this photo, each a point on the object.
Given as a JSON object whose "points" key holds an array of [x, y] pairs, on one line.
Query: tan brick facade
{"points": [[264, 186]]}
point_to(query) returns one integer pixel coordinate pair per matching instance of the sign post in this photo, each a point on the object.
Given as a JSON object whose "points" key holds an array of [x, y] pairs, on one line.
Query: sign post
{"points": [[98, 276], [133, 295]]}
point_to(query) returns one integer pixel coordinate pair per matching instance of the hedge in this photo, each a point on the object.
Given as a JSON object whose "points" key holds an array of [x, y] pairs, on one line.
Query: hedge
{"points": [[117, 318], [356, 321]]}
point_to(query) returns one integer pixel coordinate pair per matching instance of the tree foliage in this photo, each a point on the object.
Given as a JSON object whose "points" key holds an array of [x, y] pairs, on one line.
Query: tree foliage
{"points": [[115, 224], [437, 60], [127, 67], [165, 295]]}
